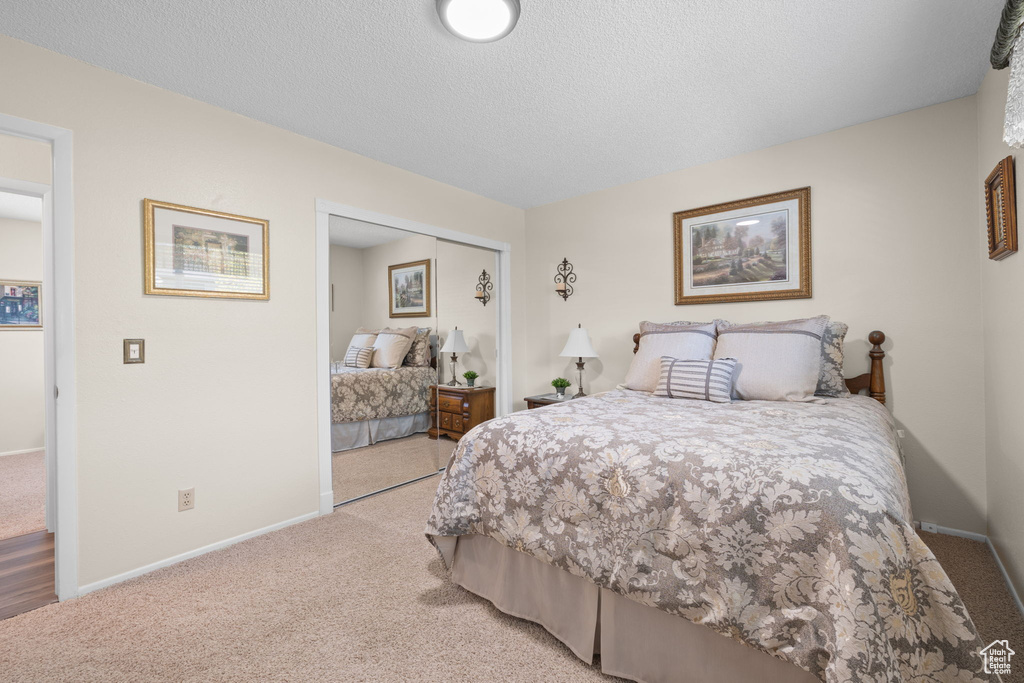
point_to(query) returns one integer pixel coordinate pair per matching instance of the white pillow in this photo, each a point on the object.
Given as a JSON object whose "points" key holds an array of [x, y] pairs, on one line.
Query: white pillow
{"points": [[685, 341], [363, 338], [776, 361], [391, 346]]}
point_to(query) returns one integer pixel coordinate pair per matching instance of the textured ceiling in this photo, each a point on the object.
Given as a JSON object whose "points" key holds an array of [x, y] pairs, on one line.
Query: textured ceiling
{"points": [[20, 207], [583, 95]]}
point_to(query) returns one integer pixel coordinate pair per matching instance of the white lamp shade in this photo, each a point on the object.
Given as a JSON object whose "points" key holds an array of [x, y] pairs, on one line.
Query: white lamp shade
{"points": [[455, 343], [578, 345]]}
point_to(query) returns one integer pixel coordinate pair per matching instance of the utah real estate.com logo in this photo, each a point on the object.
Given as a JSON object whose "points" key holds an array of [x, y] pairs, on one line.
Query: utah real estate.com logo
{"points": [[996, 657]]}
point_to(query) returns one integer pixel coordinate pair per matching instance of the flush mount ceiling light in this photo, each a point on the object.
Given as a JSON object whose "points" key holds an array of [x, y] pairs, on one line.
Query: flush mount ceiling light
{"points": [[479, 21]]}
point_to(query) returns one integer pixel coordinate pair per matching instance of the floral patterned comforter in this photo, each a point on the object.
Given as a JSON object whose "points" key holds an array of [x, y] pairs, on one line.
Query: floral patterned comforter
{"points": [[785, 526], [366, 394]]}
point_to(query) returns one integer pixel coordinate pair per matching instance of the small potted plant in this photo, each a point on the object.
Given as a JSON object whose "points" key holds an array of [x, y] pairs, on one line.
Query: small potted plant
{"points": [[470, 377], [560, 384]]}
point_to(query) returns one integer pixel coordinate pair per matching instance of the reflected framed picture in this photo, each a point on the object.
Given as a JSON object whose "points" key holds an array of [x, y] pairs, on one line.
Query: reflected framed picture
{"points": [[409, 290], [756, 249], [20, 305], [1001, 210], [197, 252]]}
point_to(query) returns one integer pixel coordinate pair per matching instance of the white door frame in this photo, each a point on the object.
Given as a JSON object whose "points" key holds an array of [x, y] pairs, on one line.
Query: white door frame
{"points": [[59, 342], [324, 210]]}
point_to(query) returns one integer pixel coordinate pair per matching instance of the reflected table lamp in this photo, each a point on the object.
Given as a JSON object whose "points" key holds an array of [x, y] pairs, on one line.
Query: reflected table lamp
{"points": [[454, 344], [579, 346]]}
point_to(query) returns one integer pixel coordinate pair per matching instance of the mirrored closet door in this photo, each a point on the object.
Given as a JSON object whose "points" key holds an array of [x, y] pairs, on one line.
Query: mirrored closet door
{"points": [[384, 361], [414, 361]]}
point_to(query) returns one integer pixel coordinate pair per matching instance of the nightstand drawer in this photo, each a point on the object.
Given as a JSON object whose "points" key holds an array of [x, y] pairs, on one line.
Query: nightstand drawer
{"points": [[446, 420], [456, 422], [451, 404]]}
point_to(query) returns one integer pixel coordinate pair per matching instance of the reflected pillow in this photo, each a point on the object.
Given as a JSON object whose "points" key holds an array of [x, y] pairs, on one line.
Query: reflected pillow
{"points": [[363, 338], [777, 361], [419, 352], [702, 380], [357, 357], [391, 346], [686, 341]]}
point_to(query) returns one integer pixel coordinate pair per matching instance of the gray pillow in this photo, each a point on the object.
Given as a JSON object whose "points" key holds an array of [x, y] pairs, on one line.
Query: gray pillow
{"points": [[830, 378]]}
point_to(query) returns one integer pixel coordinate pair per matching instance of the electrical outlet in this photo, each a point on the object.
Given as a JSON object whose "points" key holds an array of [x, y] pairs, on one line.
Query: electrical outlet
{"points": [[930, 527], [186, 499]]}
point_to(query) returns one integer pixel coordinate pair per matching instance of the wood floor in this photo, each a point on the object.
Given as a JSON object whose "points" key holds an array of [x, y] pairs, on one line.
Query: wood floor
{"points": [[26, 573]]}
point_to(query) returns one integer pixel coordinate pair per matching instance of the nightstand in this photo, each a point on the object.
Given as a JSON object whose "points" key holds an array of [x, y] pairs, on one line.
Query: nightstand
{"points": [[544, 400], [456, 410]]}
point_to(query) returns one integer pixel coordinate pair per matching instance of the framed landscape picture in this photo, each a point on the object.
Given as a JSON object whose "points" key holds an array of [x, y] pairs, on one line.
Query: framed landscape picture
{"points": [[756, 249], [1001, 210], [197, 252], [20, 305], [409, 290]]}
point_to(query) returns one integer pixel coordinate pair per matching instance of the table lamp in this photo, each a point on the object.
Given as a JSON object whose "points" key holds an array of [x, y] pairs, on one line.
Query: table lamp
{"points": [[455, 344], [579, 346]]}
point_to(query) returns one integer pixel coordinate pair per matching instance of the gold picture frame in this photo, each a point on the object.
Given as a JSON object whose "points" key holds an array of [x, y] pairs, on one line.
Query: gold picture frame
{"points": [[409, 290], [1001, 210], [754, 249], [21, 305], [203, 253]]}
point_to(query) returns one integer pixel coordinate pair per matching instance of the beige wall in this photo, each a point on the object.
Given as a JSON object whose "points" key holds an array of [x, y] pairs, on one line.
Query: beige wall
{"points": [[1001, 285], [376, 313], [21, 351], [226, 399], [22, 159], [894, 205], [347, 288], [458, 267]]}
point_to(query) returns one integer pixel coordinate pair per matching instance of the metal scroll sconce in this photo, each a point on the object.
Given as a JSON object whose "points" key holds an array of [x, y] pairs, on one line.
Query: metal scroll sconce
{"points": [[483, 288], [564, 279]]}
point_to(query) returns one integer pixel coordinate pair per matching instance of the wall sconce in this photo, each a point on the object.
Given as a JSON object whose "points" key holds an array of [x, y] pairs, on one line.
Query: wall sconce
{"points": [[483, 286], [564, 279]]}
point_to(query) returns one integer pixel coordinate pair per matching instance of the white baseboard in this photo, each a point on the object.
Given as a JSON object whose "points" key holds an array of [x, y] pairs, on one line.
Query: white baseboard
{"points": [[1006, 576], [999, 563], [24, 450], [103, 583], [326, 502]]}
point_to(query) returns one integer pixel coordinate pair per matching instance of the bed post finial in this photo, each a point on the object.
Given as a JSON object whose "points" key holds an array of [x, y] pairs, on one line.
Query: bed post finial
{"points": [[876, 388]]}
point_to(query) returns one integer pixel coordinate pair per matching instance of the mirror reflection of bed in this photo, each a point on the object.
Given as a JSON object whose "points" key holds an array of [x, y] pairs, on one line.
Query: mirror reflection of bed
{"points": [[395, 297]]}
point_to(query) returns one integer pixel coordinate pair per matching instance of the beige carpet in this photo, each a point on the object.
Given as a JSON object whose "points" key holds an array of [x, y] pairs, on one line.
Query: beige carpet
{"points": [[22, 494], [358, 595], [977, 579], [372, 468]]}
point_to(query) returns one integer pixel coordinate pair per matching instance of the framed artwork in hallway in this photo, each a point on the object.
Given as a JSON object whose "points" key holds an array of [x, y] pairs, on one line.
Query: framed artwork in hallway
{"points": [[755, 249], [20, 305]]}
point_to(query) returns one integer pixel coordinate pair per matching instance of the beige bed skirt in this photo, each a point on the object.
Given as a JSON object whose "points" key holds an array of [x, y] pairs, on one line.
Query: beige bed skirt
{"points": [[634, 641]]}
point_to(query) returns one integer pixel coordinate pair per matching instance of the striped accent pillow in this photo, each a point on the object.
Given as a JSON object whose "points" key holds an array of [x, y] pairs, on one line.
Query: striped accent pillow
{"points": [[703, 380], [357, 357]]}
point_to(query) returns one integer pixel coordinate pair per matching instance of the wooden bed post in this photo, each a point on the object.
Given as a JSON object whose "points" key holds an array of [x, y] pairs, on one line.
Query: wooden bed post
{"points": [[876, 387]]}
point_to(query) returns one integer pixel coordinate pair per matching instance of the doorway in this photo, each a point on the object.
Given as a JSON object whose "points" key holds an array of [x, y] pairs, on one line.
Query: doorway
{"points": [[38, 311]]}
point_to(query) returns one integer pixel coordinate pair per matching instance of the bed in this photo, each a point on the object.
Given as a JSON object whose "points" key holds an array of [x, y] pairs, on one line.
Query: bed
{"points": [[375, 404], [645, 529]]}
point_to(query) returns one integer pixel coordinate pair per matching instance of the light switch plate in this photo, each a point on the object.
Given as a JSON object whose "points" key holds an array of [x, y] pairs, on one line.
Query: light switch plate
{"points": [[134, 350]]}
